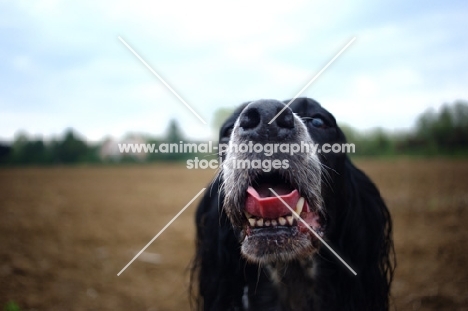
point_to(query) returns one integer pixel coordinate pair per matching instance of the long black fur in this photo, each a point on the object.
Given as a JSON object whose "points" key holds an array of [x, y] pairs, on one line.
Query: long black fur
{"points": [[359, 228]]}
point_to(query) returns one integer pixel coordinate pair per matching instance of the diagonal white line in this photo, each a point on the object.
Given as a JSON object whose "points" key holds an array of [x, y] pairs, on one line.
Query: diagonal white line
{"points": [[313, 79], [162, 230], [312, 230], [161, 79]]}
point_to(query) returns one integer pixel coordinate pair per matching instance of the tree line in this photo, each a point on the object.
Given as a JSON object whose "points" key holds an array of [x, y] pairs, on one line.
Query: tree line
{"points": [[443, 132], [73, 149], [435, 133]]}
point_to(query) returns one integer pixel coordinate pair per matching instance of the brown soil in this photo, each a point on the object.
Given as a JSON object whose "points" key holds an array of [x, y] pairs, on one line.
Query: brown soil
{"points": [[66, 232]]}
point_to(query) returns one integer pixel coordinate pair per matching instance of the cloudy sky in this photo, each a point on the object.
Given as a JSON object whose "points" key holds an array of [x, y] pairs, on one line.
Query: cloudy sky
{"points": [[62, 64]]}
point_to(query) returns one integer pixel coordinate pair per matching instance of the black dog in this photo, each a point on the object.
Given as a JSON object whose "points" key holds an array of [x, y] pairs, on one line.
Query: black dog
{"points": [[254, 254]]}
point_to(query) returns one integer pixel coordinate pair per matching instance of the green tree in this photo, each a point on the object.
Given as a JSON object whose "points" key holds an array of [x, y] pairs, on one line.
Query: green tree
{"points": [[71, 149], [174, 133], [443, 131]]}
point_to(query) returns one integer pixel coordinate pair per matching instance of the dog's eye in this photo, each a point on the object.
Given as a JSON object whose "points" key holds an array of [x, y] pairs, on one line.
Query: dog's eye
{"points": [[318, 122]]}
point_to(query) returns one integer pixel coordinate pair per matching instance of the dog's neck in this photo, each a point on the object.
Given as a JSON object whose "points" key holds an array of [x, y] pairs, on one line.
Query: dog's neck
{"points": [[295, 283]]}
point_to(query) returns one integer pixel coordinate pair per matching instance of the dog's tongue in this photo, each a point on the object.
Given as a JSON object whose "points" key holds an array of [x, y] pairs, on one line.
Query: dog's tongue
{"points": [[270, 207]]}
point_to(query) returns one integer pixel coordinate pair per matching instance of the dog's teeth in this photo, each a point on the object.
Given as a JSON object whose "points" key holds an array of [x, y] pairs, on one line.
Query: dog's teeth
{"points": [[274, 222], [267, 223], [300, 205], [252, 222], [290, 220], [282, 221], [247, 215], [260, 222]]}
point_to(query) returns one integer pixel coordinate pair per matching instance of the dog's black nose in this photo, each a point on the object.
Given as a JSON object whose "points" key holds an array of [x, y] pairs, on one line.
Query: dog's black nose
{"points": [[254, 120]]}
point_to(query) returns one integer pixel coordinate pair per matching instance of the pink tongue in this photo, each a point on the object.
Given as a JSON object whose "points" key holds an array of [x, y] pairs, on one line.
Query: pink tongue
{"points": [[269, 207]]}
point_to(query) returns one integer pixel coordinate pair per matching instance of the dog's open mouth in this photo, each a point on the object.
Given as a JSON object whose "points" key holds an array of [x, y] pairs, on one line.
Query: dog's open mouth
{"points": [[263, 209], [271, 225]]}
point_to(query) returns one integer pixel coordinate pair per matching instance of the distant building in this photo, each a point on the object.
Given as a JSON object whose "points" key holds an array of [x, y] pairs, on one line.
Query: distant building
{"points": [[110, 150]]}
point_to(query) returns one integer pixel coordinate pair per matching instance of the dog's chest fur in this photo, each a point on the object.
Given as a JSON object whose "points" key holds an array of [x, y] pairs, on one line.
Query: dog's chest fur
{"points": [[290, 287]]}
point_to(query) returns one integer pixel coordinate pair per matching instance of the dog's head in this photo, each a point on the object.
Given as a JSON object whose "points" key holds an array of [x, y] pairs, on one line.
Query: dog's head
{"points": [[285, 156]]}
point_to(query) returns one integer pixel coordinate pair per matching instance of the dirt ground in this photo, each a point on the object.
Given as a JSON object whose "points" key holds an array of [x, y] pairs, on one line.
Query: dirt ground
{"points": [[65, 233]]}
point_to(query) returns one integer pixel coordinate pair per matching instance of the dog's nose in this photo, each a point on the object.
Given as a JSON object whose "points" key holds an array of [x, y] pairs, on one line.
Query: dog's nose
{"points": [[254, 120]]}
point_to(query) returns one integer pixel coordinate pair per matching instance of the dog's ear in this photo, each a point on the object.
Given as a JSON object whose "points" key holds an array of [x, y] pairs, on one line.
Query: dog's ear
{"points": [[365, 238], [362, 237], [217, 267]]}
